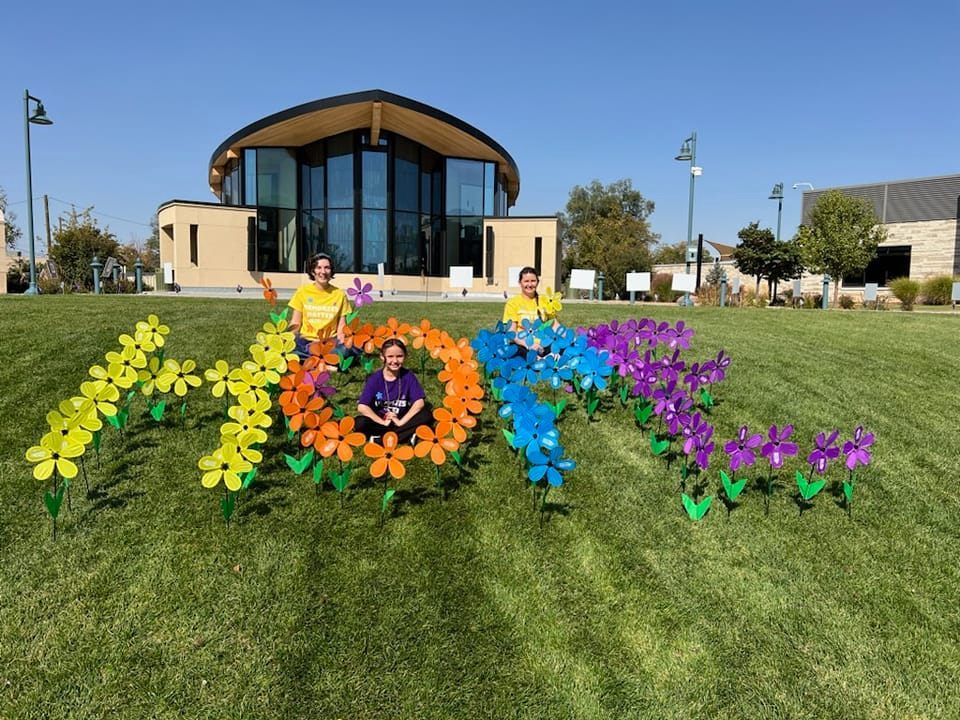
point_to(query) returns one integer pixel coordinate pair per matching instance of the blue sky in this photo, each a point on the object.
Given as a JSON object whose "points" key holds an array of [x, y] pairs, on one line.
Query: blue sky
{"points": [[828, 93]]}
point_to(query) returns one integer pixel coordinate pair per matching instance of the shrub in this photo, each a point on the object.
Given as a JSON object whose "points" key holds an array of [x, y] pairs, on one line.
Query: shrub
{"points": [[660, 287], [906, 291], [937, 290], [751, 298], [812, 302], [846, 302]]}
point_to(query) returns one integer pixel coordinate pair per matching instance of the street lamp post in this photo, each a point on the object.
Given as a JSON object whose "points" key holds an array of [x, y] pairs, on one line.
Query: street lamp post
{"points": [[39, 118], [777, 194], [688, 151]]}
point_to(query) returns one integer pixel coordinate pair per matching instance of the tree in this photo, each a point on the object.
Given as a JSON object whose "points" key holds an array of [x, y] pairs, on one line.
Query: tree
{"points": [[842, 236], [759, 254], [607, 228], [756, 245], [151, 254], [9, 217], [670, 254], [76, 243]]}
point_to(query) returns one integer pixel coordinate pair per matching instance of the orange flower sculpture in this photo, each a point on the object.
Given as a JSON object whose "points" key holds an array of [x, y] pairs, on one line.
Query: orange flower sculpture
{"points": [[450, 424], [269, 294], [390, 456], [434, 444], [303, 410], [339, 438]]}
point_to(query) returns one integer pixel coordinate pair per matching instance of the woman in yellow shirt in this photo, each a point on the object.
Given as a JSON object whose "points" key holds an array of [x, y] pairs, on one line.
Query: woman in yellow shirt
{"points": [[319, 308], [528, 305]]}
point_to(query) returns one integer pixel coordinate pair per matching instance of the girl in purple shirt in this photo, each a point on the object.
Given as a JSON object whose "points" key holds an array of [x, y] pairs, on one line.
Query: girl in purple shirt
{"points": [[392, 398]]}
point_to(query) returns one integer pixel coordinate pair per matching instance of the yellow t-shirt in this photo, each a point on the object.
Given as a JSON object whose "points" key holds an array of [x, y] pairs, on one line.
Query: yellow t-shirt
{"points": [[321, 310], [520, 308]]}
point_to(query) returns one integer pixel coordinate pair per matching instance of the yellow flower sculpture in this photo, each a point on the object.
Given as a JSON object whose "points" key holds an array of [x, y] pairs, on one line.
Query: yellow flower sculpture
{"points": [[218, 375], [54, 453], [178, 377], [242, 381], [249, 417], [550, 301], [266, 365], [85, 410], [114, 375], [69, 426], [226, 463], [130, 360], [148, 376], [140, 343], [245, 442], [153, 330], [101, 395]]}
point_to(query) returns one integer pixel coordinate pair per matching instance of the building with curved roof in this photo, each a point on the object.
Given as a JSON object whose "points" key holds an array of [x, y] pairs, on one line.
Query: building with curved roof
{"points": [[386, 185]]}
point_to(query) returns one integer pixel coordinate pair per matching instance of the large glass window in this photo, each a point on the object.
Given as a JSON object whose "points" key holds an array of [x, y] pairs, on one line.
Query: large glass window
{"points": [[276, 178], [889, 264], [340, 238], [374, 240], [250, 177], [231, 182], [406, 176], [313, 236], [312, 178], [374, 180], [406, 243], [340, 171], [276, 240], [464, 187], [489, 180]]}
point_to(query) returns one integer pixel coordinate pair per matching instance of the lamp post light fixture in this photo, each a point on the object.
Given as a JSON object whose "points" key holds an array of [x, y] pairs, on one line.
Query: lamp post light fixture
{"points": [[796, 186], [39, 117], [777, 194], [688, 151]]}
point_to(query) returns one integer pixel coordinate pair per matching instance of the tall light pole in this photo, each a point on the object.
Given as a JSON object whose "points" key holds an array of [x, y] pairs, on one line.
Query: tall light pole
{"points": [[39, 118], [777, 194], [688, 151]]}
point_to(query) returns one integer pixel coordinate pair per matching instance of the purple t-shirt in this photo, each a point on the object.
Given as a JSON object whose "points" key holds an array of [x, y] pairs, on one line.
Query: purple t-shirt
{"points": [[397, 395]]}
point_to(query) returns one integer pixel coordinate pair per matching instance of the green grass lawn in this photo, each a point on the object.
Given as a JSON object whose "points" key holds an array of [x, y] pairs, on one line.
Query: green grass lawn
{"points": [[147, 605]]}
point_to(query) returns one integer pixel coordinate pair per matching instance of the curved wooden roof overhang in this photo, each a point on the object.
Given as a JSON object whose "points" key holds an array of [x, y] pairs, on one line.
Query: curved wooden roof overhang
{"points": [[375, 110]]}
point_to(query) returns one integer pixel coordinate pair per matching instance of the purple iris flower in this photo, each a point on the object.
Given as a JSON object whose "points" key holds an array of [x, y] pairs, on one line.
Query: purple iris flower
{"points": [[704, 447], [691, 432], [360, 293], [825, 451], [777, 450], [856, 449], [662, 397], [741, 449]]}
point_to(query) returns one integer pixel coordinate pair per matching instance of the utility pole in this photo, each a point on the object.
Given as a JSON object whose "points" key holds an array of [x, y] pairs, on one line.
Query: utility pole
{"points": [[46, 215]]}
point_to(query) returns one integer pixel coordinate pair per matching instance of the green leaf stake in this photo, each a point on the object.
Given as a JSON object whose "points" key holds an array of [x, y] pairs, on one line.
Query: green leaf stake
{"points": [[558, 407], [623, 394], [228, 503], [249, 477], [732, 489], [848, 491], [658, 446], [642, 412], [706, 399], [318, 474], [345, 362], [298, 466], [156, 412], [509, 436], [695, 510], [276, 318], [351, 316], [384, 502], [368, 365], [808, 490]]}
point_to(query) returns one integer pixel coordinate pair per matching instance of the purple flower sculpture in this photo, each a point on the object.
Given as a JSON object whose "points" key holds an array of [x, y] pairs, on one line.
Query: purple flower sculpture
{"points": [[826, 450], [778, 448], [856, 449], [718, 372], [741, 449], [360, 293]]}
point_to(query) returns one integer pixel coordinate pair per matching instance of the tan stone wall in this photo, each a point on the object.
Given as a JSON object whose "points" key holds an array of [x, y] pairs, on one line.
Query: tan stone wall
{"points": [[514, 243], [933, 246], [222, 252]]}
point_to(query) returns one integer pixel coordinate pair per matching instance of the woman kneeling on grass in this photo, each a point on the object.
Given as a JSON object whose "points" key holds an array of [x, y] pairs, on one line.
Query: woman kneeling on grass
{"points": [[392, 398]]}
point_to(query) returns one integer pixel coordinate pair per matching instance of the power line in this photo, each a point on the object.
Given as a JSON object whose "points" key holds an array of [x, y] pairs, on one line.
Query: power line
{"points": [[92, 211]]}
